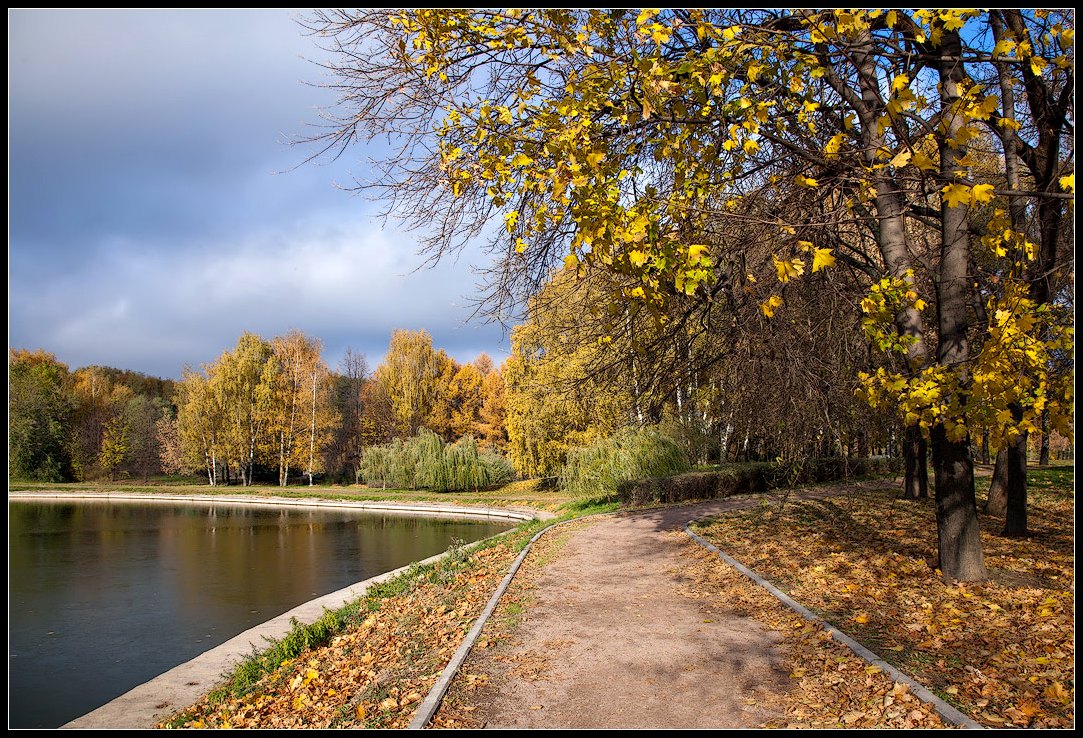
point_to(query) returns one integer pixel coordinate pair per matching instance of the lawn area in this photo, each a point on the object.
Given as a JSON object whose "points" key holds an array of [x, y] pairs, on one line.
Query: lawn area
{"points": [[528, 493], [1002, 651]]}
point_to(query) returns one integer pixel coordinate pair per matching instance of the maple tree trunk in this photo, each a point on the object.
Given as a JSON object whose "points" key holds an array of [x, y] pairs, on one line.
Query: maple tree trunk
{"points": [[958, 536], [1015, 518], [985, 446], [997, 502], [916, 449], [1043, 456]]}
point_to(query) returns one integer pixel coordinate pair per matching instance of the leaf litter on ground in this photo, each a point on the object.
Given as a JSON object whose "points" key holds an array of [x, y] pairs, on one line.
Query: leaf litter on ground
{"points": [[1002, 651]]}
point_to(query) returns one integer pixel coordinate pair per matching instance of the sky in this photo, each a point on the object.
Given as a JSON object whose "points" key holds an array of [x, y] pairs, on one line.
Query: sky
{"points": [[157, 211]]}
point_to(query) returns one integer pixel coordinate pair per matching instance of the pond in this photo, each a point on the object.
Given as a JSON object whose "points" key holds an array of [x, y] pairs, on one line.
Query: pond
{"points": [[105, 595]]}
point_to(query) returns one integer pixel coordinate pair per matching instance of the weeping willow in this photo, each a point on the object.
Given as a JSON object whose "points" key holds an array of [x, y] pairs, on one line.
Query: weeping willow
{"points": [[633, 453], [426, 462]]}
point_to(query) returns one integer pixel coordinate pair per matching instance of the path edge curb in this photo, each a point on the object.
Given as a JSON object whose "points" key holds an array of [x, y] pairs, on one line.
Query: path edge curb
{"points": [[946, 711]]}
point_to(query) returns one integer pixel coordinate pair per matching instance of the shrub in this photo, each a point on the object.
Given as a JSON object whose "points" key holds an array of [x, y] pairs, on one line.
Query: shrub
{"points": [[629, 454]]}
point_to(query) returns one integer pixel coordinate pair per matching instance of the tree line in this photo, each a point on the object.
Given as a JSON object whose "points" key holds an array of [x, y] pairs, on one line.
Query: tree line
{"points": [[265, 410]]}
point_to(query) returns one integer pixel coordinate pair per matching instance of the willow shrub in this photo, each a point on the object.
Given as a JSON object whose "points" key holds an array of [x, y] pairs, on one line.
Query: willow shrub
{"points": [[426, 462], [633, 453]]}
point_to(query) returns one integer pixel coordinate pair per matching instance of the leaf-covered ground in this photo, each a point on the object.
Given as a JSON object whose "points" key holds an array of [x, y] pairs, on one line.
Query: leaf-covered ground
{"points": [[376, 672], [1002, 651]]}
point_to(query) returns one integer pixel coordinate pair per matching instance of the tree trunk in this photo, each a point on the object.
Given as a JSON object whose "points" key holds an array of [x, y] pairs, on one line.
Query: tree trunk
{"points": [[1043, 456], [997, 503], [916, 485], [1015, 519], [958, 535], [959, 540], [985, 446]]}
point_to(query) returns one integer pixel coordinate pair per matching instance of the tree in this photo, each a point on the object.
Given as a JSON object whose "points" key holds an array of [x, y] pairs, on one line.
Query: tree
{"points": [[492, 421], [299, 374], [115, 445], [200, 423], [408, 378], [39, 414], [170, 451], [144, 455], [619, 142], [343, 452]]}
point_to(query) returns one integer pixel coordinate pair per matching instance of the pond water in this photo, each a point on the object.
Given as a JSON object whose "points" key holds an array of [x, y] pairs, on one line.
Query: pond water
{"points": [[103, 596]]}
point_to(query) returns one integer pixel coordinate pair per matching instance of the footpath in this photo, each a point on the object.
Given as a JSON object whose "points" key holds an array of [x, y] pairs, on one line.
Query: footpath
{"points": [[599, 630]]}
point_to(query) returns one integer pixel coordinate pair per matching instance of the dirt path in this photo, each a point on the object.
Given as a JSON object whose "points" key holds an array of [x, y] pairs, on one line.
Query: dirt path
{"points": [[600, 630]]}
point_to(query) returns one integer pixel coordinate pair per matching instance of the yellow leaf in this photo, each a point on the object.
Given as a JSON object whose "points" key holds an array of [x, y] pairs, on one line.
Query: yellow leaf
{"points": [[892, 18], [788, 268], [822, 260], [360, 712], [772, 304], [751, 147], [521, 160], [806, 181], [900, 83], [831, 149], [637, 257], [955, 195], [1067, 182], [981, 193], [900, 159], [697, 251], [923, 162], [862, 618], [571, 261], [806, 245]]}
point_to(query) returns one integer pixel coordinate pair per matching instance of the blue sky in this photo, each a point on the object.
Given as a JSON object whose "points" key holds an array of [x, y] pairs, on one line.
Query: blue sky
{"points": [[156, 210]]}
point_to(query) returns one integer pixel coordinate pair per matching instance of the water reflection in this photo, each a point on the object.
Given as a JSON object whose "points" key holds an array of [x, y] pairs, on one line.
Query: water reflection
{"points": [[106, 595]]}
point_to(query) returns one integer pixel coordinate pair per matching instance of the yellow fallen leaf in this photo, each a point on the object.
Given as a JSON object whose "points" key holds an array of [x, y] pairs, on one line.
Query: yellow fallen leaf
{"points": [[862, 618]]}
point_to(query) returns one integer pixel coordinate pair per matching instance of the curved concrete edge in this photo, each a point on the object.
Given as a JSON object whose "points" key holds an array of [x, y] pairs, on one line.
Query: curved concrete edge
{"points": [[398, 508], [435, 697], [945, 710]]}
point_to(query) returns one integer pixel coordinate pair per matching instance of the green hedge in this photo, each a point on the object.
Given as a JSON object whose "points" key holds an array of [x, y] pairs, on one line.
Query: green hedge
{"points": [[748, 478]]}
